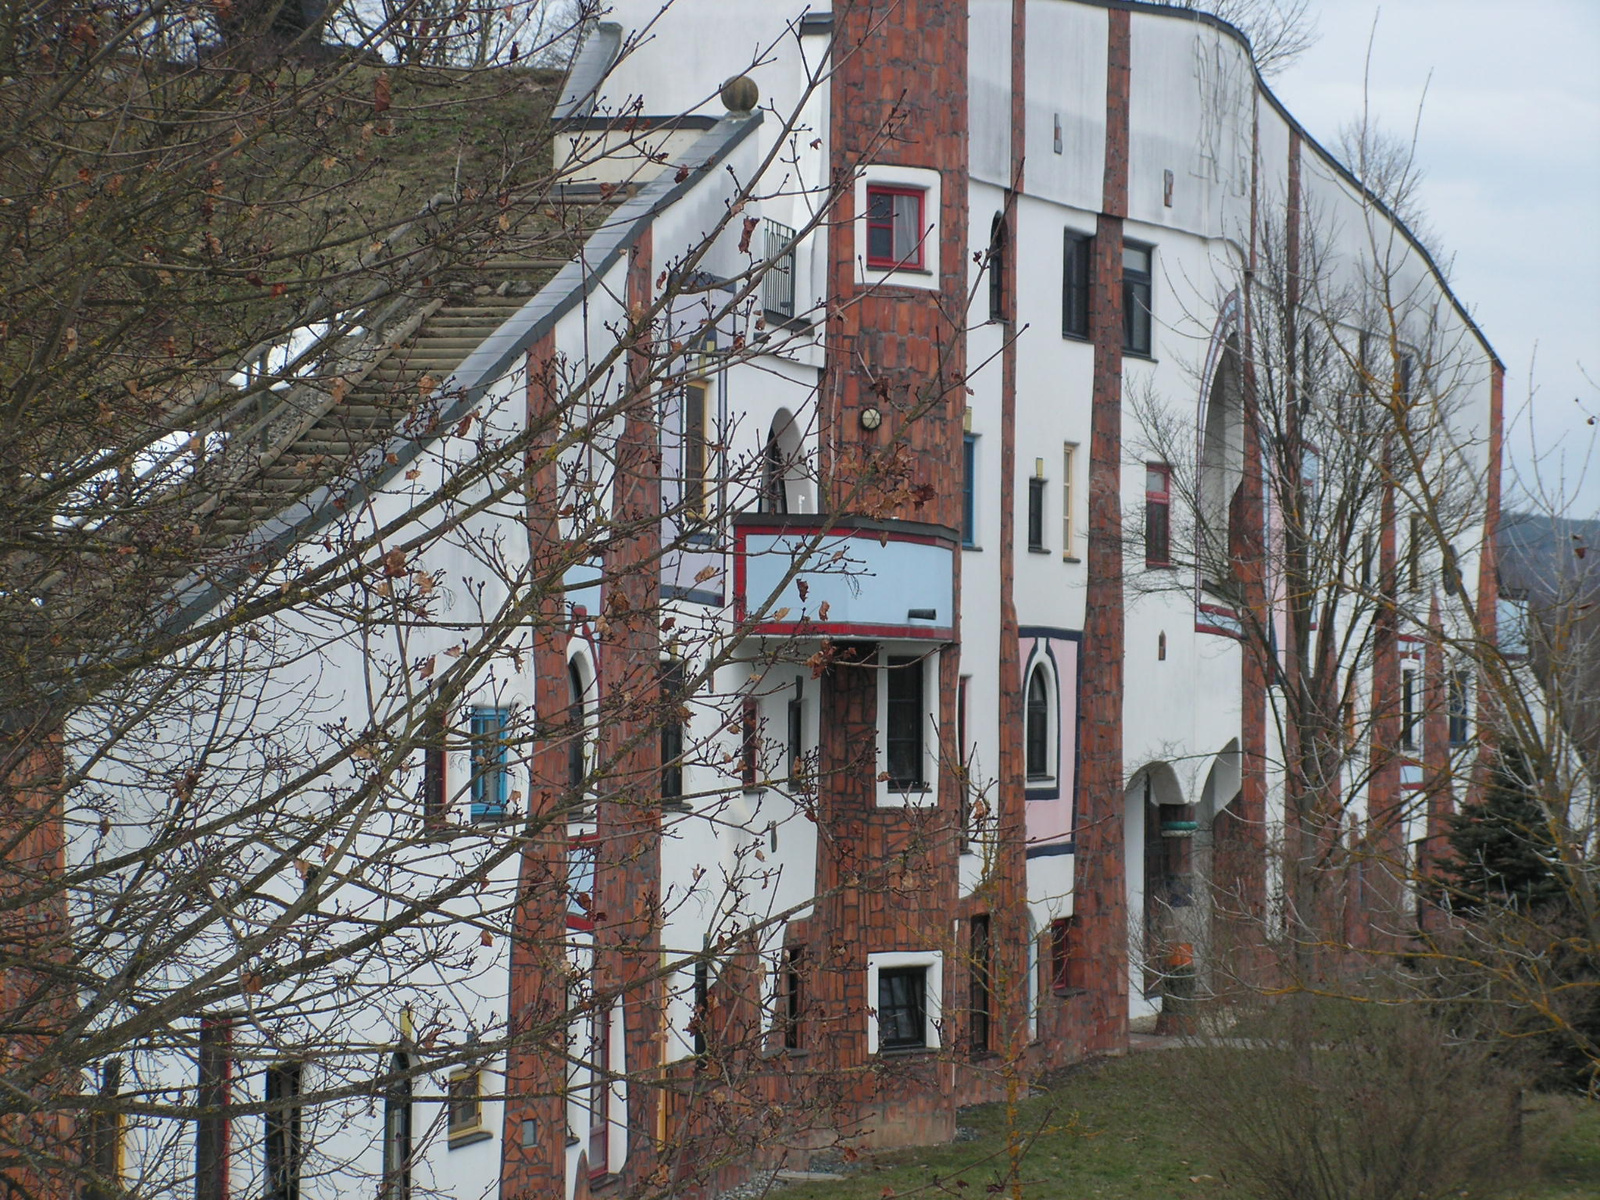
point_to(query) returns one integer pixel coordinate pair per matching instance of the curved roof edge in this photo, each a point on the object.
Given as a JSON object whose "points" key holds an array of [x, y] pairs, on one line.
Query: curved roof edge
{"points": [[197, 594], [1349, 176]]}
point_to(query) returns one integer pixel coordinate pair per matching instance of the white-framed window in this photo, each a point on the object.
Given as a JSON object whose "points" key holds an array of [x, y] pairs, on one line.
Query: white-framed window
{"points": [[908, 727], [1069, 499], [897, 226], [580, 727], [1040, 734], [905, 991]]}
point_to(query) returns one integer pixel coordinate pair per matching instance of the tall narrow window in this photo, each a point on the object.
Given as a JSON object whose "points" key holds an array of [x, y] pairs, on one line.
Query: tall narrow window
{"points": [[582, 859], [1036, 491], [104, 1151], [903, 736], [695, 456], [1066, 969], [1136, 298], [1460, 690], [435, 783], [671, 698], [998, 269], [774, 492], [1157, 515], [282, 1135], [212, 1097], [963, 780], [1069, 464], [599, 1093], [1075, 284], [1408, 710], [969, 508], [702, 1004], [1038, 725], [397, 1130], [1414, 552], [894, 227], [749, 743], [791, 1000], [903, 1008], [491, 763], [978, 987], [1367, 554], [577, 720], [795, 714]]}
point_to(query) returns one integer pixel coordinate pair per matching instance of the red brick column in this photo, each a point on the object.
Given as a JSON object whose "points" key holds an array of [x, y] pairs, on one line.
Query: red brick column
{"points": [[1489, 582], [535, 1068], [1437, 782], [1100, 890]]}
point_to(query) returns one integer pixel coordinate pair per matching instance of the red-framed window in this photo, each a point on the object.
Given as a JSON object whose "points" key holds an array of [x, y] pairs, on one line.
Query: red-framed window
{"points": [[895, 227], [1157, 515]]}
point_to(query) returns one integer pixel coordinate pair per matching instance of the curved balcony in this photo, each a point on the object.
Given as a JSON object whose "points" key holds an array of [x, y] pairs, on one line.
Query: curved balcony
{"points": [[845, 577]]}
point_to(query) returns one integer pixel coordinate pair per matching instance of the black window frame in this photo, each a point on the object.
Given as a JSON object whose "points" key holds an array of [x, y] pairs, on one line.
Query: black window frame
{"points": [[1036, 497], [905, 704], [1036, 727], [435, 770], [999, 267], [670, 685], [795, 730], [1410, 717], [578, 721], [969, 494], [1460, 707], [399, 1132], [213, 1095], [903, 1018], [1077, 257], [1138, 298], [791, 1011], [282, 1144], [103, 1153], [980, 988]]}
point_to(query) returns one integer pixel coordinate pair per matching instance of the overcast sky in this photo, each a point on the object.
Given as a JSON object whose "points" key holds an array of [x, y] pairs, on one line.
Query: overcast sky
{"points": [[1509, 144]]}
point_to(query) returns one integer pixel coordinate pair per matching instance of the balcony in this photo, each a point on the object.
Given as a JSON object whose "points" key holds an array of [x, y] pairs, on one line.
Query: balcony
{"points": [[877, 580]]}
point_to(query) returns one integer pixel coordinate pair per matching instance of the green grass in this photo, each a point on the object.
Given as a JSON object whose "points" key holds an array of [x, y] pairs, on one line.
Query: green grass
{"points": [[1119, 1129]]}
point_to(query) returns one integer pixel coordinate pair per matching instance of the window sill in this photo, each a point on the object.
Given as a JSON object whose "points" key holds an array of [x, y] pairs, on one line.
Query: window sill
{"points": [[1067, 558], [1141, 355], [971, 546], [1077, 337], [676, 806], [1069, 993], [1160, 566], [893, 268], [1038, 549], [468, 1137], [905, 1051]]}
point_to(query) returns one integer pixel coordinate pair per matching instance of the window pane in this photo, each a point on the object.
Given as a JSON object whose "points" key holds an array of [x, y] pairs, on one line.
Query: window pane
{"points": [[1038, 721], [901, 1016], [880, 206], [908, 229], [1136, 258], [880, 243], [969, 516], [905, 716]]}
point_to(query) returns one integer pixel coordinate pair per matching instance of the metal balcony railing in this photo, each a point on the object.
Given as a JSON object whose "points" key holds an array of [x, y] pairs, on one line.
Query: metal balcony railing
{"points": [[777, 285]]}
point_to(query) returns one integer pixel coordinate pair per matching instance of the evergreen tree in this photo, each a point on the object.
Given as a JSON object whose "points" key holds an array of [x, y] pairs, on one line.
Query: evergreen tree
{"points": [[1504, 847]]}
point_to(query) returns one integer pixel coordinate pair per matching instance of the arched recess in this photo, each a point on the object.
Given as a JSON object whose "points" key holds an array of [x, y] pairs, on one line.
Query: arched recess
{"points": [[784, 487], [1157, 880], [581, 724], [1221, 467], [1041, 734], [1222, 854]]}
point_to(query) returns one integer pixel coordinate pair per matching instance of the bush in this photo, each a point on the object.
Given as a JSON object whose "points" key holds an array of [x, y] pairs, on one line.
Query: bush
{"points": [[1356, 1100]]}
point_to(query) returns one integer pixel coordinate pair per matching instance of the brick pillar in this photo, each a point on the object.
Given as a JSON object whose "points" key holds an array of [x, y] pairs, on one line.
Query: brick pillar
{"points": [[887, 876], [1439, 790], [1489, 582], [35, 939], [535, 1067], [1100, 891], [628, 813]]}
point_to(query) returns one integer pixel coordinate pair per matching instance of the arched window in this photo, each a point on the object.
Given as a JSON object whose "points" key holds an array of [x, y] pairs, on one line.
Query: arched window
{"points": [[998, 267], [1037, 736], [397, 1139], [1221, 469], [577, 766], [774, 489]]}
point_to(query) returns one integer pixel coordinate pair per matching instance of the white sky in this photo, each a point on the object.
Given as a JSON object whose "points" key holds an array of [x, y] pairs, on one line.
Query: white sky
{"points": [[1509, 143]]}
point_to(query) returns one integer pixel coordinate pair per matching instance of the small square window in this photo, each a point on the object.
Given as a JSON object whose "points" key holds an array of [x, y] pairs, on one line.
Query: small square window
{"points": [[903, 1008], [465, 1102], [894, 228]]}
